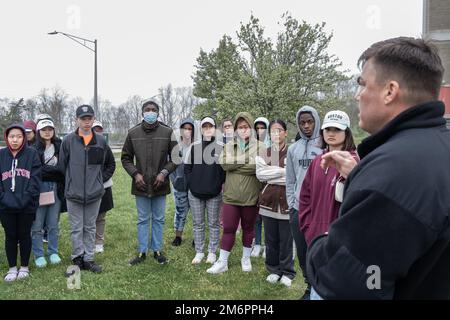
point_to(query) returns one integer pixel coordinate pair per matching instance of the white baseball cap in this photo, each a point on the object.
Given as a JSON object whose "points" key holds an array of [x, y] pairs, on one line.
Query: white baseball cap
{"points": [[208, 120], [45, 123], [97, 124], [336, 118]]}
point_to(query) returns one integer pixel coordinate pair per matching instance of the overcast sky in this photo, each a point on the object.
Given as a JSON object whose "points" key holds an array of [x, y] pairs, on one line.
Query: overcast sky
{"points": [[143, 45]]}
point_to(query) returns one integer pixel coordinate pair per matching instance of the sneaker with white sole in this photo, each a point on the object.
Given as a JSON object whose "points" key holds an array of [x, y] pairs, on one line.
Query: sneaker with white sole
{"points": [[23, 273], [11, 275], [273, 278], [99, 248], [211, 258], [198, 258], [286, 281], [219, 267], [246, 264], [256, 250]]}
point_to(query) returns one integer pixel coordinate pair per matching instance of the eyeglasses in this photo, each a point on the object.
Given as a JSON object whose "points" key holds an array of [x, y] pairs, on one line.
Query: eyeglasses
{"points": [[276, 131]]}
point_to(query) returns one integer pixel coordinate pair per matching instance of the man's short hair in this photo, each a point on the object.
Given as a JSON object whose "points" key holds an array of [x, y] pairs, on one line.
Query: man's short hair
{"points": [[414, 63]]}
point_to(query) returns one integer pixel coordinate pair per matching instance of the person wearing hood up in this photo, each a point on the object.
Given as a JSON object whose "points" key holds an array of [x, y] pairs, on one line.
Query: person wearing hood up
{"points": [[30, 130], [205, 177], [299, 157], [241, 192], [178, 179], [19, 198], [261, 126]]}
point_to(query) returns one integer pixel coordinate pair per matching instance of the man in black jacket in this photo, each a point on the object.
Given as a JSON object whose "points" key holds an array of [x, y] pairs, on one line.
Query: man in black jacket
{"points": [[392, 239]]}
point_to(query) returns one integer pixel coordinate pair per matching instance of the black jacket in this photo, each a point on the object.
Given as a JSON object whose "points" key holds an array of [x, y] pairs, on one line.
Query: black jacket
{"points": [[395, 216], [203, 173], [108, 170], [52, 173], [19, 189]]}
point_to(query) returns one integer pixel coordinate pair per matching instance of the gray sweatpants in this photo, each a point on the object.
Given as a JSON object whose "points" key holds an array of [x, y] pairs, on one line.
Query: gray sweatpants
{"points": [[82, 228]]}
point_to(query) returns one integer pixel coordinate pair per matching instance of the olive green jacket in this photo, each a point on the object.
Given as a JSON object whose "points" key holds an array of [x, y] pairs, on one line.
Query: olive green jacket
{"points": [[241, 188]]}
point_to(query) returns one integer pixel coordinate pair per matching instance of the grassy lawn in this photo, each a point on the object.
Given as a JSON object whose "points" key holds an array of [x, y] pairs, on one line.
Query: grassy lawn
{"points": [[176, 280]]}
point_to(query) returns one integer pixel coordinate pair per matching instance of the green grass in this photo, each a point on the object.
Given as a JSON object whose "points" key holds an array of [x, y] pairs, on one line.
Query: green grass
{"points": [[176, 280]]}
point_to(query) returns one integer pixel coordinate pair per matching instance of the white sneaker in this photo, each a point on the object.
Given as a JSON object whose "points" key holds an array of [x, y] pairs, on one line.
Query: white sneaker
{"points": [[246, 264], [273, 278], [211, 258], [198, 258], [264, 252], [286, 281], [256, 250], [99, 248], [218, 267]]}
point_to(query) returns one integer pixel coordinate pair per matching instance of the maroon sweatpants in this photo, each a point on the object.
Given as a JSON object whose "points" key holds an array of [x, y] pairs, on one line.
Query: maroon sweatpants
{"points": [[231, 215]]}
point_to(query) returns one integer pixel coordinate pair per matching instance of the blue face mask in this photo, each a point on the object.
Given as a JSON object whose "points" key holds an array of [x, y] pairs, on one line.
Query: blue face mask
{"points": [[150, 117]]}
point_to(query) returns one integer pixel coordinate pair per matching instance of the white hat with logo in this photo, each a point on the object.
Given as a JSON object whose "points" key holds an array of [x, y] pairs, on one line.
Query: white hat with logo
{"points": [[45, 123], [337, 119]]}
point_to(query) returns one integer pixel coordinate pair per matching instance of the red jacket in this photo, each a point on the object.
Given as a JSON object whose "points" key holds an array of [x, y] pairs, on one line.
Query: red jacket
{"points": [[318, 207]]}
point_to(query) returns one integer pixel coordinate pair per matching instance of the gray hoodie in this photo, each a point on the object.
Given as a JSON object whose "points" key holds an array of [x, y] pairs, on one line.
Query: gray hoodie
{"points": [[299, 157], [177, 177]]}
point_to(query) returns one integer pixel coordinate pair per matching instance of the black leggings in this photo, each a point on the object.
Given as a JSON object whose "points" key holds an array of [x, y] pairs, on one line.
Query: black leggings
{"points": [[300, 243], [17, 231]]}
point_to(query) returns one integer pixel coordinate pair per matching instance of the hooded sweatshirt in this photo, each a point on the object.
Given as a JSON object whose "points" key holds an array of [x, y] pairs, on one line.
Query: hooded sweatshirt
{"points": [[241, 188], [267, 136], [299, 157], [180, 151], [21, 177]]}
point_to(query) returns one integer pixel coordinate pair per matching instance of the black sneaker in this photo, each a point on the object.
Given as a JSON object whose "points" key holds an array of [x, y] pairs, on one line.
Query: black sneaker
{"points": [[92, 266], [140, 258], [159, 257], [176, 242], [78, 261]]}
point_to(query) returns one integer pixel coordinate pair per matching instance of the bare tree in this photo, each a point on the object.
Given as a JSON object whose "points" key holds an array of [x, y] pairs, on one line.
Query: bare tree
{"points": [[187, 101], [168, 105], [54, 104]]}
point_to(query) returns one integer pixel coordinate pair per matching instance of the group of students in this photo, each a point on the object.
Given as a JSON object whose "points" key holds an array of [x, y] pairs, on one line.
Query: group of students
{"points": [[251, 177], [243, 176], [33, 194]]}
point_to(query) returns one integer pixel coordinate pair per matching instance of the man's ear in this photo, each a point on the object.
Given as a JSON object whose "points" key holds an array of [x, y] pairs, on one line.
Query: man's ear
{"points": [[392, 92]]}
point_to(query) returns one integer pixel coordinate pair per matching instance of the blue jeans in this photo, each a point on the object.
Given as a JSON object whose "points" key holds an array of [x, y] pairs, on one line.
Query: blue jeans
{"points": [[48, 216], [181, 209], [258, 230], [150, 209], [314, 295]]}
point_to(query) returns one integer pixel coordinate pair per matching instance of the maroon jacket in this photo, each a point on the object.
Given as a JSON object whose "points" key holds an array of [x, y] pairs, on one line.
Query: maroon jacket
{"points": [[318, 207]]}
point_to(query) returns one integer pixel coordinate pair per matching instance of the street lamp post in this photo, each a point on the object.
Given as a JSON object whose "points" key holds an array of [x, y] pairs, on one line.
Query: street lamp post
{"points": [[83, 42]]}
